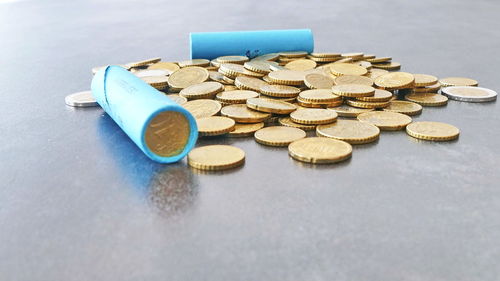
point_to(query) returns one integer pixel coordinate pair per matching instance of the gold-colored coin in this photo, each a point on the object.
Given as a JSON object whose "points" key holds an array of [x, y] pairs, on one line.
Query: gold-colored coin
{"points": [[202, 90], [214, 125], [230, 88], [287, 121], [387, 66], [167, 133], [367, 104], [232, 70], [368, 56], [379, 96], [249, 83], [261, 66], [268, 57], [379, 59], [339, 69], [318, 81], [325, 55], [236, 96], [320, 150], [344, 60], [202, 107], [376, 72], [245, 130], [217, 77], [289, 99], [434, 131], [427, 99], [353, 90], [355, 56], [194, 62], [178, 99], [232, 59], [457, 81], [242, 114], [270, 105], [422, 80], [168, 66], [313, 116], [428, 89], [293, 54], [348, 111], [278, 135], [364, 64], [353, 79], [229, 81], [216, 157], [287, 77], [309, 104], [324, 59], [351, 131], [301, 65], [186, 77], [385, 120], [395, 80], [158, 82], [281, 91], [319, 96], [143, 62], [405, 107]]}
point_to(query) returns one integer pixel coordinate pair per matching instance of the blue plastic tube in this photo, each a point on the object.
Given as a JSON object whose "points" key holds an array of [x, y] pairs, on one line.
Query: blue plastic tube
{"points": [[210, 45], [134, 104]]}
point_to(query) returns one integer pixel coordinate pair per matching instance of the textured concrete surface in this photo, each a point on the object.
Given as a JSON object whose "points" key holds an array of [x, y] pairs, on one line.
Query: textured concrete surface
{"points": [[78, 201]]}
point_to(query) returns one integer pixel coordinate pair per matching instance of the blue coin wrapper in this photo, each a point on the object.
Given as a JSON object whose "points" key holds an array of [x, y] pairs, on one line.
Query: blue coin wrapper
{"points": [[210, 45], [132, 104]]}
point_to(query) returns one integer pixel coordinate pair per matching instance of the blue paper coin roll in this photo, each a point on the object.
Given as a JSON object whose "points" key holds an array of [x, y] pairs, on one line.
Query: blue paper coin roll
{"points": [[210, 45], [161, 128]]}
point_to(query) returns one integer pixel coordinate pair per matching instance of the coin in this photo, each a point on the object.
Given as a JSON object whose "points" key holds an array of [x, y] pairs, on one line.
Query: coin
{"points": [[323, 59], [348, 111], [319, 96], [202, 107], [245, 130], [232, 59], [249, 83], [375, 72], [355, 56], [232, 70], [261, 66], [216, 157], [316, 104], [318, 81], [170, 67], [435, 131], [469, 94], [379, 96], [242, 114], [278, 135], [301, 64], [395, 80], [293, 54], [268, 57], [287, 77], [194, 62], [379, 59], [178, 99], [385, 120], [339, 69], [427, 99], [151, 72], [388, 65], [287, 121], [143, 62], [351, 131], [422, 80], [325, 55], [81, 99], [405, 107], [236, 96], [186, 77], [217, 77], [428, 89], [320, 150], [353, 90], [367, 104], [271, 106], [158, 82], [313, 116], [353, 79], [214, 125], [167, 133], [457, 81], [279, 91], [202, 90]]}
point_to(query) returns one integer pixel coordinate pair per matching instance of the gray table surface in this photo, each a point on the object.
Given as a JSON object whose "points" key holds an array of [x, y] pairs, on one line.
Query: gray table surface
{"points": [[78, 200]]}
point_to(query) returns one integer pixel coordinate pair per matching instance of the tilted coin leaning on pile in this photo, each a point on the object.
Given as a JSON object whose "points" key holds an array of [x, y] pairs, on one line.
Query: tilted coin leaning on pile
{"points": [[345, 98]]}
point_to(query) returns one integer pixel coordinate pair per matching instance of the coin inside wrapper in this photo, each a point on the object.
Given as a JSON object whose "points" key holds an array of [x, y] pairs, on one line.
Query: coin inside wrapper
{"points": [[160, 127]]}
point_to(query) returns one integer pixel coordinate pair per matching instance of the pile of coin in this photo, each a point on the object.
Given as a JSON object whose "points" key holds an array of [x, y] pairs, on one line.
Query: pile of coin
{"points": [[345, 98]]}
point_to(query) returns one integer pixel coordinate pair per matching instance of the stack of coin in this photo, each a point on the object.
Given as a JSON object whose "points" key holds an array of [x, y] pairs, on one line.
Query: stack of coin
{"points": [[282, 95]]}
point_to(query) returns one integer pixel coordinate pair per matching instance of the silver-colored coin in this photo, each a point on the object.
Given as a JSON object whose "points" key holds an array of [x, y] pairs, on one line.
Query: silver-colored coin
{"points": [[81, 99], [469, 94]]}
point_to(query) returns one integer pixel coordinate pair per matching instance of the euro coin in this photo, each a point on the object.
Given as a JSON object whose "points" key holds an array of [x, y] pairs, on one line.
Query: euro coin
{"points": [[261, 66], [278, 135], [245, 130], [339, 69], [422, 80], [319, 96], [469, 94], [214, 125], [379, 96], [427, 99], [367, 104], [280, 91], [170, 67], [385, 120], [349, 111], [320, 150], [351, 131], [270, 106], [202, 107], [353, 79], [233, 59], [242, 114], [178, 99], [249, 83], [143, 62], [405, 107], [434, 131], [457, 81], [313, 116], [236, 96], [186, 77], [428, 89], [318, 81], [287, 121], [353, 90], [395, 80], [81, 99], [194, 62], [202, 90], [216, 157], [301, 65], [387, 65], [287, 77]]}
